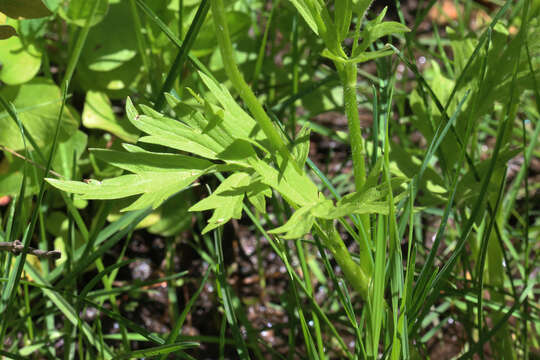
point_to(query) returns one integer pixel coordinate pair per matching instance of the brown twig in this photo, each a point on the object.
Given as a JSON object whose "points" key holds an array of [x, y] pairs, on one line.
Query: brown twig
{"points": [[14, 153], [17, 247]]}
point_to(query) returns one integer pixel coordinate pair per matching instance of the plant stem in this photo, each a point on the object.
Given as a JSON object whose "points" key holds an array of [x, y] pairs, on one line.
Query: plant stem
{"points": [[237, 79], [355, 275], [348, 76]]}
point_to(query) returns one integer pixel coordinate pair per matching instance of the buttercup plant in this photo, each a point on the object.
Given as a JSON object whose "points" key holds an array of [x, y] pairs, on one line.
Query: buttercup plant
{"points": [[212, 133], [225, 138]]}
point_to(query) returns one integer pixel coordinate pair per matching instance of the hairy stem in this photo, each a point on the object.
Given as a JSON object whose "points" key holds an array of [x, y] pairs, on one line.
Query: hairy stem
{"points": [[237, 79]]}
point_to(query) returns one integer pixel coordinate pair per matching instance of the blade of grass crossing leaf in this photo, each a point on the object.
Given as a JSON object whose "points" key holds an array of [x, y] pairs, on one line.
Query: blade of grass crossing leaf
{"points": [[125, 322], [63, 305], [526, 255], [163, 350], [262, 47], [465, 231], [163, 27], [11, 355], [10, 109], [79, 45], [225, 296], [183, 52], [295, 277], [180, 321], [90, 285], [437, 140], [421, 288], [141, 45], [342, 291], [307, 280], [476, 51], [308, 339], [105, 234], [376, 298], [84, 262], [483, 254], [15, 275]]}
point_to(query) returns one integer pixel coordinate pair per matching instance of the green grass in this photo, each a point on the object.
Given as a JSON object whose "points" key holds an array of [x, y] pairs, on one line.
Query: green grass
{"points": [[410, 249]]}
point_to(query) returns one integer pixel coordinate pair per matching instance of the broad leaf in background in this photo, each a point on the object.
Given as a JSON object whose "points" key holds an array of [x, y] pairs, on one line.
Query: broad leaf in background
{"points": [[20, 59], [12, 167], [206, 42], [98, 114], [38, 104], [111, 43], [116, 83], [68, 151], [6, 31], [77, 11], [29, 9]]}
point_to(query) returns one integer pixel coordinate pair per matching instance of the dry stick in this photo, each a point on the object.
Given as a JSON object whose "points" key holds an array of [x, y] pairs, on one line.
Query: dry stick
{"points": [[17, 247], [13, 152]]}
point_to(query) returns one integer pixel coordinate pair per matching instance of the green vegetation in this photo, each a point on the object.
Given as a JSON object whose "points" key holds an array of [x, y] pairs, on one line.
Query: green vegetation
{"points": [[125, 121]]}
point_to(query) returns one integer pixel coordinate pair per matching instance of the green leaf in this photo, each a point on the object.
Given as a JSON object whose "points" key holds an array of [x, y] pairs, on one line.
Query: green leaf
{"points": [[375, 30], [301, 146], [360, 7], [360, 58], [235, 120], [155, 187], [29, 9], [98, 114], [7, 31], [370, 200], [112, 42], [139, 161], [20, 60], [172, 133], [257, 194], [38, 105], [386, 28], [296, 188], [298, 225], [78, 11], [342, 18], [306, 13], [226, 200]]}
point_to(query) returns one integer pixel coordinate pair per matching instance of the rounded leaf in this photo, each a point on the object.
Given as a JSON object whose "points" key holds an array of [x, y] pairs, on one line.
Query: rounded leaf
{"points": [[38, 104], [20, 62]]}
